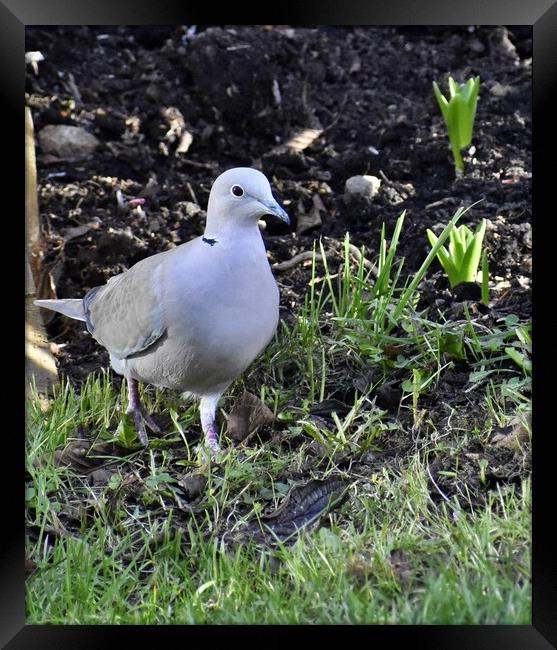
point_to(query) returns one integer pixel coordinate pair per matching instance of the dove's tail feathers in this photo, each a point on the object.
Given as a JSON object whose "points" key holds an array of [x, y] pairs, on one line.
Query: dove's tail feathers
{"points": [[72, 307]]}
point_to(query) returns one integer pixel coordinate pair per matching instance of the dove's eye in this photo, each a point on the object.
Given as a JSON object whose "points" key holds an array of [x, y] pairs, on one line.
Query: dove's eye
{"points": [[237, 190]]}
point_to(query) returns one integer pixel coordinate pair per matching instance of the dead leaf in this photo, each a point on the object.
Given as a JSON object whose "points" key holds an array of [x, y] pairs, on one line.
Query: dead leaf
{"points": [[400, 565], [101, 476], [193, 484], [248, 415], [308, 221], [294, 145], [186, 140], [74, 455], [303, 139], [303, 505], [360, 567], [71, 233], [83, 456], [328, 406], [30, 567], [513, 436], [312, 219]]}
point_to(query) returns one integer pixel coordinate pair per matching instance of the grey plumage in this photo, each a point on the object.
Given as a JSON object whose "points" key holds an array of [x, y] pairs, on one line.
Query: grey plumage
{"points": [[195, 317]]}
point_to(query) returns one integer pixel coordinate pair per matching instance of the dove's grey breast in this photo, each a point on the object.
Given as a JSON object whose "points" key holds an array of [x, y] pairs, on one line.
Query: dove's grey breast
{"points": [[219, 305]]}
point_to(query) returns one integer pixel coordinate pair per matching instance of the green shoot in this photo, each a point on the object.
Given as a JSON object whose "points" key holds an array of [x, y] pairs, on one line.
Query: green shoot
{"points": [[409, 292], [461, 261], [459, 112], [485, 278]]}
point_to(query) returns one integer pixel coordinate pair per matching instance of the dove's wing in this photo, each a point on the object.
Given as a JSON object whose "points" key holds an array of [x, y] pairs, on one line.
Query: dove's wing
{"points": [[125, 315]]}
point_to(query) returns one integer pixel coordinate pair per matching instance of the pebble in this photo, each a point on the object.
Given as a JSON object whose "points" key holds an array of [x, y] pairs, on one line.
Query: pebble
{"points": [[367, 186], [71, 143]]}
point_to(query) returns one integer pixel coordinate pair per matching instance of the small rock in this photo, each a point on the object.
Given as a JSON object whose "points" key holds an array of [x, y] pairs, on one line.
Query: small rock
{"points": [[369, 457], [321, 175], [367, 186], [500, 90], [71, 143]]}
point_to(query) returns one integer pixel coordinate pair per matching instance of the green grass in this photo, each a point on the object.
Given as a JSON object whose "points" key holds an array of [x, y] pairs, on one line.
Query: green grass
{"points": [[474, 570], [410, 544]]}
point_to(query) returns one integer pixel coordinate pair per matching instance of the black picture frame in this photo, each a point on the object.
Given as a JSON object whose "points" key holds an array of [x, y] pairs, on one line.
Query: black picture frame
{"points": [[15, 15]]}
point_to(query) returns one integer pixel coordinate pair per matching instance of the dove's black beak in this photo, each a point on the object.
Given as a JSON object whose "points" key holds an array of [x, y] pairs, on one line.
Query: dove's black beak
{"points": [[278, 211]]}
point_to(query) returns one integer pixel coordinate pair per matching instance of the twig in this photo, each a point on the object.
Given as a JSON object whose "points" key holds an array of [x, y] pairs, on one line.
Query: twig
{"points": [[308, 255], [297, 259], [201, 165], [357, 253]]}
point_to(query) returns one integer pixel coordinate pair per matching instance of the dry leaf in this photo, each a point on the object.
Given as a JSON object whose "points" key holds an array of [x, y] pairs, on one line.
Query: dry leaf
{"points": [[513, 436], [303, 505], [101, 476], [303, 139], [193, 485], [71, 233], [186, 140], [74, 455], [401, 567], [307, 221], [248, 415]]}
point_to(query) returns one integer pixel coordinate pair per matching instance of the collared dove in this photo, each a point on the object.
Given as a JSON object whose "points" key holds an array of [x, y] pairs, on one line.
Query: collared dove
{"points": [[192, 318]]}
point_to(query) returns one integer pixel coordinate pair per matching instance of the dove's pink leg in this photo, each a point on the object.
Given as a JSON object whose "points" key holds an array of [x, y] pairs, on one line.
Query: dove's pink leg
{"points": [[139, 413], [207, 409]]}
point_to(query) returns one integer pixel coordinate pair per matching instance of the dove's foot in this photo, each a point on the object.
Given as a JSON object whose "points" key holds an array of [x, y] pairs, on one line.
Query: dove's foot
{"points": [[149, 420], [211, 438], [140, 426], [140, 413], [207, 409]]}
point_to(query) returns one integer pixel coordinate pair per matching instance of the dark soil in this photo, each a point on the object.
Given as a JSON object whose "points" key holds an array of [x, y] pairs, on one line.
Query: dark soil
{"points": [[244, 91]]}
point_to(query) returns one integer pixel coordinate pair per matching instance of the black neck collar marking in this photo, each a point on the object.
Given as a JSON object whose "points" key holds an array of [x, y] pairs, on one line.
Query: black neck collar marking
{"points": [[209, 241]]}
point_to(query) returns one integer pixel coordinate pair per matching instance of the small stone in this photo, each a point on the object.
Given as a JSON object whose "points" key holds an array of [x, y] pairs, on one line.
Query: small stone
{"points": [[367, 186], [71, 143], [500, 90]]}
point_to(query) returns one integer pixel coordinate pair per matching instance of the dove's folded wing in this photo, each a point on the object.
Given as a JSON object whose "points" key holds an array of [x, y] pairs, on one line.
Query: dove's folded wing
{"points": [[125, 315]]}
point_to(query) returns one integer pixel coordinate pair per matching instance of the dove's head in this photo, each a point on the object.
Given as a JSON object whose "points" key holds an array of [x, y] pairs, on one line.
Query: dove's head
{"points": [[241, 196]]}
